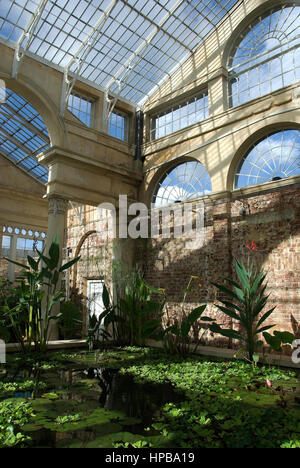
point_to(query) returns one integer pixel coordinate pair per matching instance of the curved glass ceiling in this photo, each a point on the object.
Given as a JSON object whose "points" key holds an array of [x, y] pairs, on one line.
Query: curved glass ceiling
{"points": [[175, 27], [23, 134], [184, 182], [275, 157]]}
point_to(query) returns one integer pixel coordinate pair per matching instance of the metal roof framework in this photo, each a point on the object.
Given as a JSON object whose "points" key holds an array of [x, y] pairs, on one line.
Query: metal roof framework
{"points": [[23, 135], [126, 47]]}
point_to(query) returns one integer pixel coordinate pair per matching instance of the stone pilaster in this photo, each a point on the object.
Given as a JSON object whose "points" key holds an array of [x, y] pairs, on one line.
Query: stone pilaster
{"points": [[56, 225]]}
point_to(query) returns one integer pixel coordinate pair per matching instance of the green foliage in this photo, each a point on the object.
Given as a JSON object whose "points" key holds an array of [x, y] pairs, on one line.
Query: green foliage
{"points": [[7, 298], [137, 444], [26, 386], [245, 303], [176, 333], [98, 326], [226, 404], [69, 418], [69, 320], [139, 315], [13, 415], [37, 294], [278, 339], [219, 404]]}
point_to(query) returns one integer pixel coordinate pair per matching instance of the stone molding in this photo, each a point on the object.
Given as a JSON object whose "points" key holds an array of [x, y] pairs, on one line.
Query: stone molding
{"points": [[58, 206]]}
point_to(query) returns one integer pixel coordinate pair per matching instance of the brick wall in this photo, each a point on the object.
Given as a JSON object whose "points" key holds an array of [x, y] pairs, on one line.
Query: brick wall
{"points": [[87, 236], [271, 220]]}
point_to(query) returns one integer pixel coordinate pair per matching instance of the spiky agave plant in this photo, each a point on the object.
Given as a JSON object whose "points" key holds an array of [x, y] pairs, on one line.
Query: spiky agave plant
{"points": [[245, 304]]}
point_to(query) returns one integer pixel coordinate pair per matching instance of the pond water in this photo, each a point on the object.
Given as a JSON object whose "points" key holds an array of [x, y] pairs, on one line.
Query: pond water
{"points": [[106, 401]]}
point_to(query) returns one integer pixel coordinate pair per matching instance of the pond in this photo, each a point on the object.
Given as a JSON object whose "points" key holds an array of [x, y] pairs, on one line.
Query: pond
{"points": [[143, 398]]}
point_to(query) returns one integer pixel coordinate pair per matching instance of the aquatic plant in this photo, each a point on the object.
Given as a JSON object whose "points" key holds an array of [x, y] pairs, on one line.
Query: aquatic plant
{"points": [[140, 315], [176, 332], [37, 295], [13, 415]]}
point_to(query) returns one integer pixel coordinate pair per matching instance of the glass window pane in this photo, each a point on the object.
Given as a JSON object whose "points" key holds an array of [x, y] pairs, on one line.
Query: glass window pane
{"points": [[266, 57], [273, 158], [181, 116]]}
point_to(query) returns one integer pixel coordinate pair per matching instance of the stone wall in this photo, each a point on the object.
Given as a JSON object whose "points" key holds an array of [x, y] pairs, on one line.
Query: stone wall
{"points": [[270, 219], [87, 235]]}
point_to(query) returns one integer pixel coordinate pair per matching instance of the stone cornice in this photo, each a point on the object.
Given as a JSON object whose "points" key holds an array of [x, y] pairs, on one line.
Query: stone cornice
{"points": [[56, 155]]}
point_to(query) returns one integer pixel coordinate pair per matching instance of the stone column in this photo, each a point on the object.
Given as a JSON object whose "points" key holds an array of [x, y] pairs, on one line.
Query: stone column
{"points": [[218, 93], [123, 253], [1, 236], [56, 225], [13, 256]]}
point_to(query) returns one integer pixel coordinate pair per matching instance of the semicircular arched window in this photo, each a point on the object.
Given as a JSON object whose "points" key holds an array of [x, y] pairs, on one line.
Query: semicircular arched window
{"points": [[23, 134], [275, 157], [267, 56], [187, 181]]}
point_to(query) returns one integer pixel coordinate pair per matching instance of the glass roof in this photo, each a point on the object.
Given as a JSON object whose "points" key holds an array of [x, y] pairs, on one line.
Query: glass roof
{"points": [[66, 24], [23, 134]]}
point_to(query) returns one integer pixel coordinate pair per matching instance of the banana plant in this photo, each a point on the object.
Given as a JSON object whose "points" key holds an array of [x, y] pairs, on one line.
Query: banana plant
{"points": [[37, 295], [140, 314], [245, 302], [176, 335], [103, 326]]}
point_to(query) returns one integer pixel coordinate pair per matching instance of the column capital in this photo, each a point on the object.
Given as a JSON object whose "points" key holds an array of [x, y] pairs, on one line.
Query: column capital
{"points": [[58, 206]]}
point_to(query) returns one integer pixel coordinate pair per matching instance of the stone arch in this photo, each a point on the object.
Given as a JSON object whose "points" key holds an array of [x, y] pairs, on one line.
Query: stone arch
{"points": [[77, 252], [163, 169], [48, 111], [261, 9], [252, 140]]}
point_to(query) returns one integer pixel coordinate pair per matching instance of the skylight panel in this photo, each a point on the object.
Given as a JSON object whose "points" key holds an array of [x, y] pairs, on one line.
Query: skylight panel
{"points": [[23, 134], [64, 25], [16, 15]]}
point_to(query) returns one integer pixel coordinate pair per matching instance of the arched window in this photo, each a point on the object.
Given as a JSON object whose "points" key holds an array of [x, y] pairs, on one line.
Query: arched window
{"points": [[23, 134], [275, 157], [267, 57], [184, 182]]}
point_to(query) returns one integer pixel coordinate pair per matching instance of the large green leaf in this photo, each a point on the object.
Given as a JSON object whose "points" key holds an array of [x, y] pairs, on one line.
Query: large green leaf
{"points": [[242, 274], [285, 337], [264, 329], [26, 267], [264, 317], [196, 314], [231, 305], [273, 341], [185, 329], [229, 312], [226, 332], [32, 263], [69, 264], [54, 253], [260, 305], [105, 297], [227, 291], [258, 281]]}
